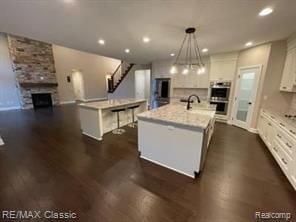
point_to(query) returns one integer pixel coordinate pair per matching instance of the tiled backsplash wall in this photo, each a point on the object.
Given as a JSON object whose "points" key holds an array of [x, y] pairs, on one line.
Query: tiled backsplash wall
{"points": [[179, 93]]}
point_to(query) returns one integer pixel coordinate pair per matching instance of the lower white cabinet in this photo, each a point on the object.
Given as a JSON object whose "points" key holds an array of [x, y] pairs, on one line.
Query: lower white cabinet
{"points": [[281, 142]]}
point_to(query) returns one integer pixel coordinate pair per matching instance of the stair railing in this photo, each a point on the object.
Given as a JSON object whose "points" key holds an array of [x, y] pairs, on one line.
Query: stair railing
{"points": [[117, 75]]}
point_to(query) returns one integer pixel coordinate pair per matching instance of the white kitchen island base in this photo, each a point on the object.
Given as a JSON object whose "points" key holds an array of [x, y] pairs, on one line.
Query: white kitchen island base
{"points": [[179, 147], [97, 118]]}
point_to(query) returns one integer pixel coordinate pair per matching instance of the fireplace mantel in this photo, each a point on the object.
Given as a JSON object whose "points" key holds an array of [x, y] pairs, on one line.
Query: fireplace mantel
{"points": [[39, 84]]}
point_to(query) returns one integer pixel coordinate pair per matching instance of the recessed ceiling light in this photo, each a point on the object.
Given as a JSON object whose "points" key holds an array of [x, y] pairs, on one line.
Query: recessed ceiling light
{"points": [[172, 54], [127, 50], [146, 39], [205, 50], [265, 11], [101, 41], [249, 44]]}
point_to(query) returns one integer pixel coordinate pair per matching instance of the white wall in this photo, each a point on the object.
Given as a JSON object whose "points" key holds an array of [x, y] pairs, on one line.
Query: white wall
{"points": [[93, 68], [8, 91], [142, 84], [126, 89], [272, 98], [258, 55]]}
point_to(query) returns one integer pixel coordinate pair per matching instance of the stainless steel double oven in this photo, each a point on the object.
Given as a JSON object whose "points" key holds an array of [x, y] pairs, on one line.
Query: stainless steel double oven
{"points": [[219, 95]]}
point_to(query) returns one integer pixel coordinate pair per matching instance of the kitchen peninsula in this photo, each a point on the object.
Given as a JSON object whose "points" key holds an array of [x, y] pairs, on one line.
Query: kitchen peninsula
{"points": [[97, 118], [176, 138]]}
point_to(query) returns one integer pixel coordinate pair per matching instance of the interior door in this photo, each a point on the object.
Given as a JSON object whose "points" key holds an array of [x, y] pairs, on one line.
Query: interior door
{"points": [[245, 96], [78, 86]]}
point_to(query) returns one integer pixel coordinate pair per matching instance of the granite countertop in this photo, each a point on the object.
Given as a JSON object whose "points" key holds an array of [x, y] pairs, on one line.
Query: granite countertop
{"points": [[106, 104], [177, 114], [280, 118]]}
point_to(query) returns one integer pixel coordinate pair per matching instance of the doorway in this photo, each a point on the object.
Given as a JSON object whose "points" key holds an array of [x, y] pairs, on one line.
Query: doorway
{"points": [[142, 84], [78, 85], [245, 96]]}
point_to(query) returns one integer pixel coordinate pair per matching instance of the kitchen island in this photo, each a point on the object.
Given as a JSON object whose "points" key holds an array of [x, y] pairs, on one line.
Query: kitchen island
{"points": [[97, 118], [176, 138]]}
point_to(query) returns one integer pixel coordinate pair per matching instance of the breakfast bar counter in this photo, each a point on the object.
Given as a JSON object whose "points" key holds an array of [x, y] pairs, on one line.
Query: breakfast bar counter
{"points": [[97, 118]]}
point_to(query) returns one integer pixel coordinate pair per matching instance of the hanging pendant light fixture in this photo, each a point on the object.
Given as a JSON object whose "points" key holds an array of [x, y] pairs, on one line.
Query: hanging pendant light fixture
{"points": [[192, 57]]}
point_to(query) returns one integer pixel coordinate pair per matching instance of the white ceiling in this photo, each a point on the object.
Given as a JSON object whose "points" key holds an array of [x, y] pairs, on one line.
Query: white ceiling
{"points": [[223, 25]]}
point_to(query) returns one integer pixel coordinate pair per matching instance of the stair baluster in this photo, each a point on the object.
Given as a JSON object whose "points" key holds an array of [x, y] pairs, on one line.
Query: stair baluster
{"points": [[117, 77]]}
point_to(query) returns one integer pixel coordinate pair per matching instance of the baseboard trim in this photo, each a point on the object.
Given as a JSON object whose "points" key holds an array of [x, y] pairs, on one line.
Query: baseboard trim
{"points": [[10, 108], [95, 99], [91, 136], [67, 102], [253, 130], [171, 168]]}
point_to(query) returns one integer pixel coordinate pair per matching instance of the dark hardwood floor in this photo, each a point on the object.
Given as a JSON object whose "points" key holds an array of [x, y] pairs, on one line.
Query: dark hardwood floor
{"points": [[47, 164]]}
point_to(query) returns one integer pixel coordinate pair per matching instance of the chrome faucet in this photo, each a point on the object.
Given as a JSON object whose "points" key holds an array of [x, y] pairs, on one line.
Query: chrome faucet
{"points": [[189, 101]]}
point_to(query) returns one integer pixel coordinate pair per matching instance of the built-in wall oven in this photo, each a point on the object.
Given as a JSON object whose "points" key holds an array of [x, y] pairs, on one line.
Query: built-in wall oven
{"points": [[219, 95]]}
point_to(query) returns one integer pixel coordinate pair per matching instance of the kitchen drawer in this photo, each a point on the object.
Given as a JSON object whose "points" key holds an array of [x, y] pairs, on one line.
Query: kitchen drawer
{"points": [[284, 160], [286, 141], [288, 129]]}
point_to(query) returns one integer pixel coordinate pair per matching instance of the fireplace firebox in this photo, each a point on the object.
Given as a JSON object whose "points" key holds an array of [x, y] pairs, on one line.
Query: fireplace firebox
{"points": [[41, 100]]}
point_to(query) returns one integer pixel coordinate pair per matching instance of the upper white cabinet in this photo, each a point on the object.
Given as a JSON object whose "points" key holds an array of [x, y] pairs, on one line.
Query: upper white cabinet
{"points": [[218, 67], [288, 83], [223, 66], [191, 80], [161, 69]]}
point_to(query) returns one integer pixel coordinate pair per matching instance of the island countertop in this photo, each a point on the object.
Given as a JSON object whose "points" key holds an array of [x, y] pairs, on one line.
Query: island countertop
{"points": [[178, 114], [112, 103]]}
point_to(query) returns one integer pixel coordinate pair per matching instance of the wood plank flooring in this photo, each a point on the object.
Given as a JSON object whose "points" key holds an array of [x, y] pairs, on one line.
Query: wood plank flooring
{"points": [[47, 164]]}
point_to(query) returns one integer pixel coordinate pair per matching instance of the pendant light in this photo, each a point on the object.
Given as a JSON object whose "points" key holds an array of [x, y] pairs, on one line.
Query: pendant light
{"points": [[191, 53]]}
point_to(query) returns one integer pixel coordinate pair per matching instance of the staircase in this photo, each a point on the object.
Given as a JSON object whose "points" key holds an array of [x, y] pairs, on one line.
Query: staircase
{"points": [[117, 77]]}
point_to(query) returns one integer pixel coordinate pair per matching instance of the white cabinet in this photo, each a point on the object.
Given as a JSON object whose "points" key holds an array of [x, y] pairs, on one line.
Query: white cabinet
{"points": [[191, 80], [281, 141], [161, 69], [223, 66], [266, 129], [289, 73]]}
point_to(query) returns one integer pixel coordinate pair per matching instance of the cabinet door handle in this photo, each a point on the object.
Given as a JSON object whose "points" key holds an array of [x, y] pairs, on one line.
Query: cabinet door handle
{"points": [[269, 124], [293, 132], [282, 124], [284, 161], [284, 87], [288, 145], [279, 136], [275, 149]]}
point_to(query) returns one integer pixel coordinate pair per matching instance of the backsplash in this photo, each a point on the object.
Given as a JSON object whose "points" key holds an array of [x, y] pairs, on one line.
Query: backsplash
{"points": [[179, 93]]}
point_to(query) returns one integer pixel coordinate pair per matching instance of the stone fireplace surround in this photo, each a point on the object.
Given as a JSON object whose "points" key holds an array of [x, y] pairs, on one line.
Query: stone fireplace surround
{"points": [[34, 68]]}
